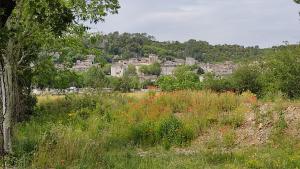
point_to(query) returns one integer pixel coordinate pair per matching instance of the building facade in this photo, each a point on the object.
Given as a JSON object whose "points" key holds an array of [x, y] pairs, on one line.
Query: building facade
{"points": [[190, 61]]}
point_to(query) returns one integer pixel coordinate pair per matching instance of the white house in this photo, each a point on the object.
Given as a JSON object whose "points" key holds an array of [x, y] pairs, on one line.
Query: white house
{"points": [[190, 61], [118, 69]]}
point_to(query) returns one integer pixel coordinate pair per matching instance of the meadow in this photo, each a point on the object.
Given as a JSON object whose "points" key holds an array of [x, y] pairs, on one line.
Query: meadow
{"points": [[182, 129]]}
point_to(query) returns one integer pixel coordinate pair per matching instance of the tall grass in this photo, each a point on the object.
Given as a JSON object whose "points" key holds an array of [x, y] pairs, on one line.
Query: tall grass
{"points": [[110, 131]]}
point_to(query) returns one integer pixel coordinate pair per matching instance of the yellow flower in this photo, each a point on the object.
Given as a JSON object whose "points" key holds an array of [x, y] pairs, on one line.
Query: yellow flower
{"points": [[71, 114]]}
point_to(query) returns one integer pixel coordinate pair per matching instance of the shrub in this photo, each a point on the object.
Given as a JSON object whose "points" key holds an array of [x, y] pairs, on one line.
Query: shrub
{"points": [[172, 131], [154, 69], [144, 133], [184, 78], [248, 78], [282, 71], [168, 131], [217, 84]]}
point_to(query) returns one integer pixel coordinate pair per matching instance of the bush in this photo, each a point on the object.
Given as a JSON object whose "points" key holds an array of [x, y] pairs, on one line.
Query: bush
{"points": [[154, 69], [144, 133], [218, 85], [172, 131], [248, 78], [168, 131], [282, 71], [95, 78], [245, 78], [184, 78]]}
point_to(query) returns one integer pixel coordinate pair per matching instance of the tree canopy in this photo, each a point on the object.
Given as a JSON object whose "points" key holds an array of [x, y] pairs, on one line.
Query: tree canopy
{"points": [[28, 27], [128, 45]]}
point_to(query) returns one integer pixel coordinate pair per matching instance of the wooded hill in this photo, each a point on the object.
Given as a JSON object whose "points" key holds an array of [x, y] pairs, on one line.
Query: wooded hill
{"points": [[126, 45]]}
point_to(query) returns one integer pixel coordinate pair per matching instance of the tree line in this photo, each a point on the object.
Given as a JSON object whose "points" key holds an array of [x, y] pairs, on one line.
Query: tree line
{"points": [[132, 45], [276, 72]]}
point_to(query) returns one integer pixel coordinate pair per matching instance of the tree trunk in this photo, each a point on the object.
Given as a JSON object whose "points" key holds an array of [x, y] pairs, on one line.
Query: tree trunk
{"points": [[8, 106], [2, 152], [8, 93], [8, 79]]}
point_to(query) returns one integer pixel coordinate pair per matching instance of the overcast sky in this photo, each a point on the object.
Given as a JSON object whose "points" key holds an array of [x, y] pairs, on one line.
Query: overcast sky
{"points": [[246, 22]]}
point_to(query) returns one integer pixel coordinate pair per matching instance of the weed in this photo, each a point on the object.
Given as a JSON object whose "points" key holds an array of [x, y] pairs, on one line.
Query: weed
{"points": [[229, 139], [107, 131]]}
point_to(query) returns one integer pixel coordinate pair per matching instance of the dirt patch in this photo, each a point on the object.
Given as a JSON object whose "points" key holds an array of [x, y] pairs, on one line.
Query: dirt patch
{"points": [[257, 129], [292, 118], [259, 124]]}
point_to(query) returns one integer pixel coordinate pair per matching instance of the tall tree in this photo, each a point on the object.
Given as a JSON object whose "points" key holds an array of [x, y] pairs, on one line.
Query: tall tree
{"points": [[25, 27]]}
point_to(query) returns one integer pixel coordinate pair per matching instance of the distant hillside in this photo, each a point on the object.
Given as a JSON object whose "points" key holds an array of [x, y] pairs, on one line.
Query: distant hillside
{"points": [[107, 47], [128, 45]]}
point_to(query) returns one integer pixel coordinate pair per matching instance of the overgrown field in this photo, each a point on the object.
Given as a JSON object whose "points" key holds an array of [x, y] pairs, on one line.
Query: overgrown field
{"points": [[183, 129]]}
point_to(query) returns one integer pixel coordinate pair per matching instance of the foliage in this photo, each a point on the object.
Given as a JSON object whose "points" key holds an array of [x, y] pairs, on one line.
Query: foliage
{"points": [[168, 131], [44, 73], [127, 83], [95, 78], [167, 83], [172, 131], [28, 27], [106, 69], [116, 131], [147, 83], [123, 84], [282, 73], [216, 84], [247, 78], [153, 69], [131, 71], [277, 72], [66, 79], [184, 78], [137, 45]]}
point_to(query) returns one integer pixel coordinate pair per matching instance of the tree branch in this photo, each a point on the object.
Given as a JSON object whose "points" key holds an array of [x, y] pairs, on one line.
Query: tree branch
{"points": [[24, 55]]}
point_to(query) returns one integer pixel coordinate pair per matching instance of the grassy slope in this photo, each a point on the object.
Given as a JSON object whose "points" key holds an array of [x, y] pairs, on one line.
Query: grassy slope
{"points": [[182, 129]]}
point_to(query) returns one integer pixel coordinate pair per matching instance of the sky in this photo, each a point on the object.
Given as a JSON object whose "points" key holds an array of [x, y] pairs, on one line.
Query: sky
{"points": [[245, 22]]}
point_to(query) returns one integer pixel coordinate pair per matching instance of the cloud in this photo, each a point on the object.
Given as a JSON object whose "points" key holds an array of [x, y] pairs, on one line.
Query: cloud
{"points": [[255, 22]]}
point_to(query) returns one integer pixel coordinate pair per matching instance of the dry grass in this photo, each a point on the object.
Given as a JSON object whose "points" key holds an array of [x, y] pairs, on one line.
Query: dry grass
{"points": [[137, 95], [117, 131], [49, 98]]}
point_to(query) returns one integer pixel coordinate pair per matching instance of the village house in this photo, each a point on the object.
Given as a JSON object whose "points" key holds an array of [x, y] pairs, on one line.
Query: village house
{"points": [[219, 69], [153, 58], [190, 61], [225, 69], [84, 64], [168, 67], [207, 67], [118, 69]]}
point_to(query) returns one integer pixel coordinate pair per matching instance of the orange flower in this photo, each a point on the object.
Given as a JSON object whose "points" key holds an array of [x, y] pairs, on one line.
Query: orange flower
{"points": [[62, 162]]}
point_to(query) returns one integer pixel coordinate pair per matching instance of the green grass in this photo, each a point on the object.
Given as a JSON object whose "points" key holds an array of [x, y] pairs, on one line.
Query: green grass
{"points": [[154, 131]]}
